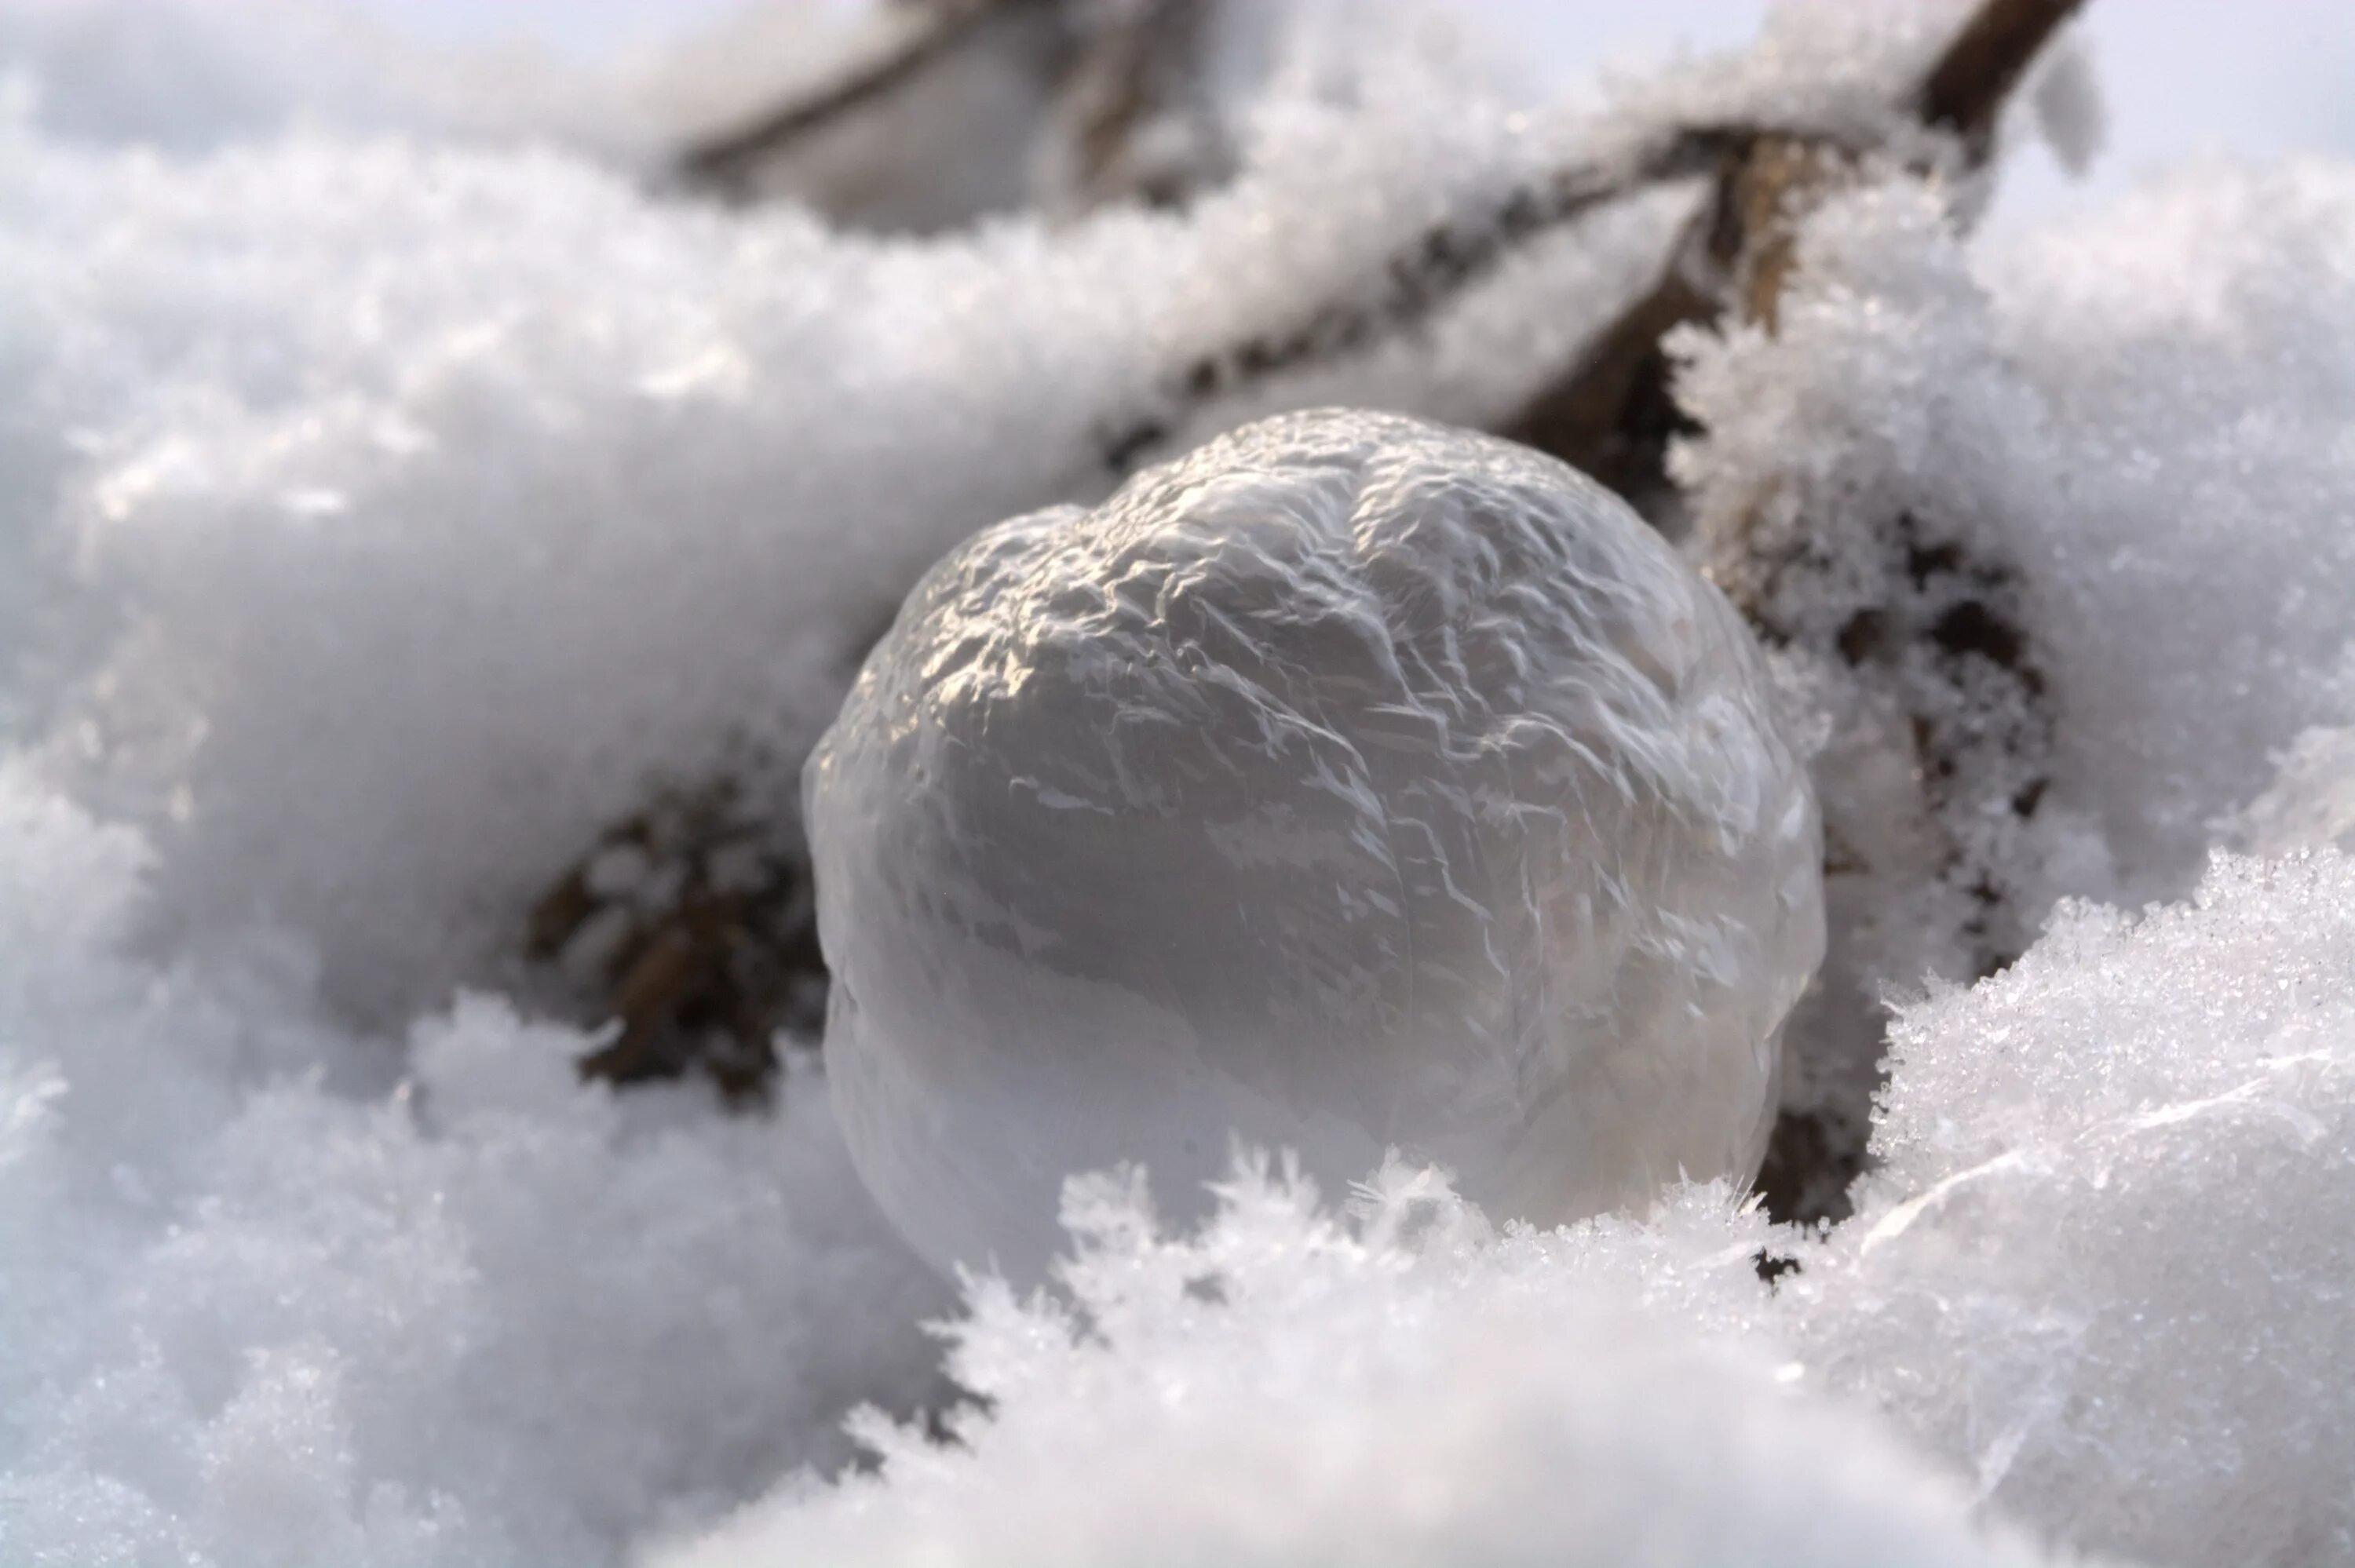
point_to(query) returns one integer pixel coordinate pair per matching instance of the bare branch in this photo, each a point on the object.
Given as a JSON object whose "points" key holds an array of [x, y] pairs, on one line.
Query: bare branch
{"points": [[1975, 75], [1613, 415], [728, 161]]}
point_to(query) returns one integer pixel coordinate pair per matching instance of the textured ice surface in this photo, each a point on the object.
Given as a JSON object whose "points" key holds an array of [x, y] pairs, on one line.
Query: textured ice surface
{"points": [[1353, 782]]}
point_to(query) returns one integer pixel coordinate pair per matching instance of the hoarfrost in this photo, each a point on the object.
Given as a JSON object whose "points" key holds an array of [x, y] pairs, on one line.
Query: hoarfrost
{"points": [[260, 1308], [2106, 1265], [2140, 414], [1390, 1390]]}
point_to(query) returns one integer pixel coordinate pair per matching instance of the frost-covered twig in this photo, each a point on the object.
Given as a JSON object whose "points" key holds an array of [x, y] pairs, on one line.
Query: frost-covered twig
{"points": [[1609, 412], [1943, 640], [1417, 280]]}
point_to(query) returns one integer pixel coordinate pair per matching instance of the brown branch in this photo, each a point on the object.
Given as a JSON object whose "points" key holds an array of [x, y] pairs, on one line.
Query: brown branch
{"points": [[1613, 416], [1126, 74], [727, 160], [1975, 75], [1616, 394]]}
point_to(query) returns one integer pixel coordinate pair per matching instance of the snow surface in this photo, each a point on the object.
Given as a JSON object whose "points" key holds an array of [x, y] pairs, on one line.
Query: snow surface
{"points": [[379, 518], [1349, 783], [2100, 1287]]}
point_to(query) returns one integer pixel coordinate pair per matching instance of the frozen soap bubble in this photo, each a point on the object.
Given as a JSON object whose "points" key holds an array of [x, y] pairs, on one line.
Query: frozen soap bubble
{"points": [[1349, 783]]}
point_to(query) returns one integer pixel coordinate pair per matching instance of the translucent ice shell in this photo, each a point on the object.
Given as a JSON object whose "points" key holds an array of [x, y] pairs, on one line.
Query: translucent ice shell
{"points": [[1351, 783]]}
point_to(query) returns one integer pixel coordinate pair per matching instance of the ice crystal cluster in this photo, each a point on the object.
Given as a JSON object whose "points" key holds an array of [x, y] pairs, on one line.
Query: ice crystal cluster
{"points": [[1353, 783], [382, 517]]}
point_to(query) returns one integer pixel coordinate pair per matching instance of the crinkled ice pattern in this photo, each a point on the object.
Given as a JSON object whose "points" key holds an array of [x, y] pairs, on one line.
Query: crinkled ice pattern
{"points": [[1351, 783]]}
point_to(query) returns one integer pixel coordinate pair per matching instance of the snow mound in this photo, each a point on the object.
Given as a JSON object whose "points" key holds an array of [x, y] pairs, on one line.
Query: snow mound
{"points": [[2128, 433], [1284, 1388], [2107, 1264], [1350, 782], [261, 1307]]}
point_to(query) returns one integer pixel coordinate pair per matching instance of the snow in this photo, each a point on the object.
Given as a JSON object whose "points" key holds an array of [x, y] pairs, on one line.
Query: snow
{"points": [[407, 569], [1400, 1389], [1269, 801], [2107, 1264], [261, 1307], [381, 515], [2098, 1288], [2144, 413]]}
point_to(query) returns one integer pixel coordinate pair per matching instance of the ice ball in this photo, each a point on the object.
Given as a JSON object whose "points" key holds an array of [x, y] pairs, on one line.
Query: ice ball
{"points": [[1351, 783]]}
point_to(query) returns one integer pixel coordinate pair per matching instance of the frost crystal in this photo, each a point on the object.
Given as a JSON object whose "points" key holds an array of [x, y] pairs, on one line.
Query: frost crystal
{"points": [[1351, 783]]}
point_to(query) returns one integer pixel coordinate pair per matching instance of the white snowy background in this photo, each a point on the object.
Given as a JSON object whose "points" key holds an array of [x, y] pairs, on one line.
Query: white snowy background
{"points": [[392, 487]]}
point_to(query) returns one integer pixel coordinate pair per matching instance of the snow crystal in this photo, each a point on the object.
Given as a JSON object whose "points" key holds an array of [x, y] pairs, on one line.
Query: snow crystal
{"points": [[1350, 782], [256, 1311], [1285, 1389], [2107, 1267]]}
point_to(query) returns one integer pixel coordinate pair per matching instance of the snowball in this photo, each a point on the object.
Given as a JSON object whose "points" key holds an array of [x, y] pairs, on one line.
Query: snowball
{"points": [[1352, 782]]}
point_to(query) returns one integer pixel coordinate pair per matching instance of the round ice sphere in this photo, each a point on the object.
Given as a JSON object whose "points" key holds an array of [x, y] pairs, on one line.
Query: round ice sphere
{"points": [[1351, 783]]}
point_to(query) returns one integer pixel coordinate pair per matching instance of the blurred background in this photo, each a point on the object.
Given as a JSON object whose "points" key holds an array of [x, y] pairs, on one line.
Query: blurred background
{"points": [[2178, 77]]}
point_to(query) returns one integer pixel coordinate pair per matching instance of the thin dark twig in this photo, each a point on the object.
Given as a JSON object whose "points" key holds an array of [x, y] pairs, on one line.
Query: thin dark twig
{"points": [[726, 160], [1977, 72]]}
